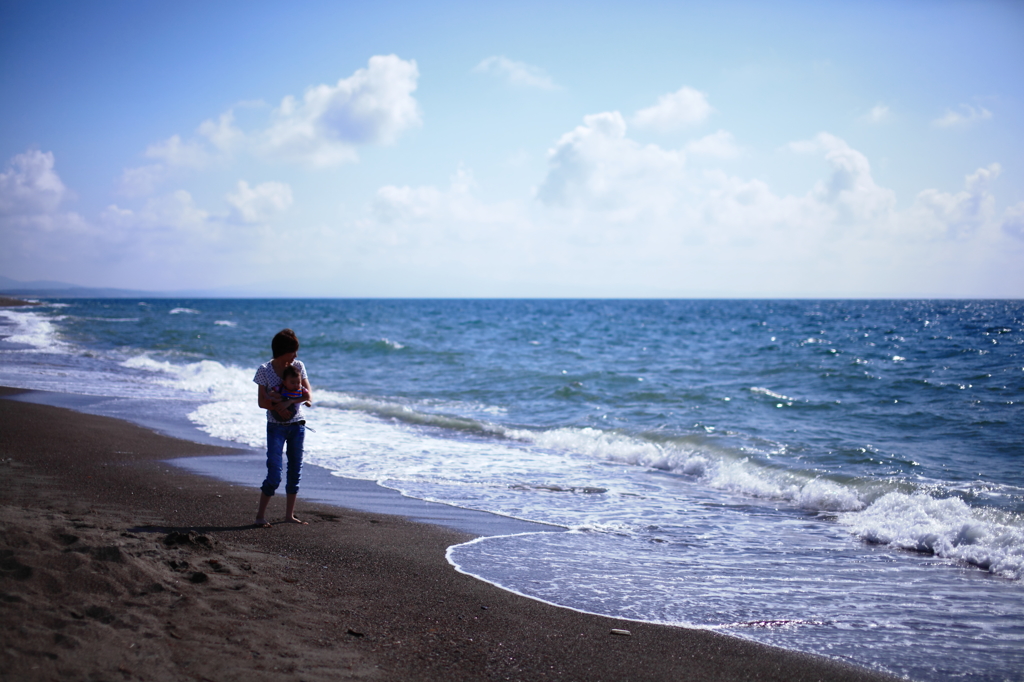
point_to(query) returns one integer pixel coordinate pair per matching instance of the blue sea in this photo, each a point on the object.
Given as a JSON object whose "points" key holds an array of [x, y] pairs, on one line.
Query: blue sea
{"points": [[838, 477]]}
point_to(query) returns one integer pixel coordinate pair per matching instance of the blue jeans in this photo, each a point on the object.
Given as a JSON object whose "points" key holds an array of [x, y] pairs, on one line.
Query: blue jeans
{"points": [[277, 436]]}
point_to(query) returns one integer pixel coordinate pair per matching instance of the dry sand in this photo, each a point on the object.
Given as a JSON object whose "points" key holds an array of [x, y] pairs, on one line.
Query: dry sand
{"points": [[116, 566]]}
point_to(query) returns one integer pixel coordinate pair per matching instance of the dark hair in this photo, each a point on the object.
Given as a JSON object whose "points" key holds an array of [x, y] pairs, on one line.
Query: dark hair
{"points": [[284, 342], [289, 371]]}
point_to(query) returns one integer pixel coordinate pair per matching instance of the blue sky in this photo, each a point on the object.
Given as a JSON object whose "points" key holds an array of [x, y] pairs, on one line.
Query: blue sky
{"points": [[740, 149]]}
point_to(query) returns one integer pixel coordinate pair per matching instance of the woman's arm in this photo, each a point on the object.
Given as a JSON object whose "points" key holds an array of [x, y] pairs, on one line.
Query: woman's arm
{"points": [[264, 400], [309, 393]]}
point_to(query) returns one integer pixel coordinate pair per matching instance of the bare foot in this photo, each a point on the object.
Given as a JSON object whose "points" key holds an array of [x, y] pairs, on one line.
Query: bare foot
{"points": [[294, 519], [262, 523]]}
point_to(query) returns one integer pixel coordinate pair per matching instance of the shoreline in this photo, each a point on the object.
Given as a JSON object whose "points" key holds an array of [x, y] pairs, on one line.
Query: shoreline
{"points": [[100, 577], [246, 467]]}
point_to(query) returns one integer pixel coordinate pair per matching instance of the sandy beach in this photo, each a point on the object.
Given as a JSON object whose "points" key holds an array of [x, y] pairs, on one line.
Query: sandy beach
{"points": [[117, 566]]}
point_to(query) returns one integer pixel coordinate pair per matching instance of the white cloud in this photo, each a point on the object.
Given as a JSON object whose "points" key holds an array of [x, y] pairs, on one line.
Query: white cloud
{"points": [[938, 214], [174, 152], [223, 134], [374, 105], [1012, 222], [445, 239], [597, 166], [517, 73], [405, 204], [610, 216], [30, 185], [166, 225], [429, 212], [737, 208], [720, 145], [641, 205], [676, 110], [142, 180], [173, 242], [34, 226], [960, 119], [615, 217], [261, 203], [174, 155], [878, 114], [850, 190], [169, 241], [176, 211]]}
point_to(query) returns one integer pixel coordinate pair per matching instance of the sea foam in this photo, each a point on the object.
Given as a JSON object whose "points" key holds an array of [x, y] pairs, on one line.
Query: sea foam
{"points": [[946, 527], [207, 378], [33, 330], [717, 467]]}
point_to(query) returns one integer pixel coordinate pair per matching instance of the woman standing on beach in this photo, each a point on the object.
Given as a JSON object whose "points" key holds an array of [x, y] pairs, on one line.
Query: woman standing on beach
{"points": [[283, 427]]}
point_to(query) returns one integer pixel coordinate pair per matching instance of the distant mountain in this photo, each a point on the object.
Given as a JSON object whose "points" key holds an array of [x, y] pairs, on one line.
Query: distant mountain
{"points": [[6, 283], [52, 289]]}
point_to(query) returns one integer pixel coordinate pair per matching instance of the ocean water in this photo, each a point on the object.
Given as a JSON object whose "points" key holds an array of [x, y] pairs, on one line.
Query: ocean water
{"points": [[839, 477]]}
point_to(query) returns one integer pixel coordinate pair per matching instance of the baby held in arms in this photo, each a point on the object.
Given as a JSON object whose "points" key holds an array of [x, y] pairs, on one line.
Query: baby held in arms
{"points": [[291, 391]]}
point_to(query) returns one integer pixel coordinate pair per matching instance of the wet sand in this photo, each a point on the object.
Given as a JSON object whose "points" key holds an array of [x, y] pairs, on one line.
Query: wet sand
{"points": [[116, 565]]}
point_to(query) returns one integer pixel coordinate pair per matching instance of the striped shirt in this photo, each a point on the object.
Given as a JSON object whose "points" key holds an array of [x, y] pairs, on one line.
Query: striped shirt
{"points": [[267, 377]]}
